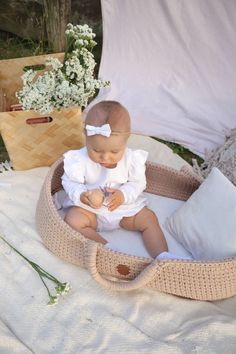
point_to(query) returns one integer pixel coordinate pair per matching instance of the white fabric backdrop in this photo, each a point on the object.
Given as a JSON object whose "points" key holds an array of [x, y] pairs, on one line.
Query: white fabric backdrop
{"points": [[172, 63]]}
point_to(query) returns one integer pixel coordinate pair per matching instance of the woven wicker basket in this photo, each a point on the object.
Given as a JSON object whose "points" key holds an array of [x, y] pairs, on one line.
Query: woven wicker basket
{"points": [[42, 142], [33, 139], [192, 279]]}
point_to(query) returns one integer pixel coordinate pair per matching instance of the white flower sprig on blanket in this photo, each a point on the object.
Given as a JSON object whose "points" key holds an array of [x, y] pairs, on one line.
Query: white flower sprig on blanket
{"points": [[61, 288]]}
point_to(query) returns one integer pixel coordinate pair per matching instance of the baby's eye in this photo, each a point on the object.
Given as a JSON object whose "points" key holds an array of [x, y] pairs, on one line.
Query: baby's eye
{"points": [[96, 150], [115, 152]]}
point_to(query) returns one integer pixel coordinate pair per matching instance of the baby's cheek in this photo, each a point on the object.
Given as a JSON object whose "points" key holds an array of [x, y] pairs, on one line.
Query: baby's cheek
{"points": [[93, 156], [121, 155]]}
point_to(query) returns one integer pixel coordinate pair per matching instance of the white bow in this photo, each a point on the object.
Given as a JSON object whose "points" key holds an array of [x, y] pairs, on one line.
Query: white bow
{"points": [[104, 130]]}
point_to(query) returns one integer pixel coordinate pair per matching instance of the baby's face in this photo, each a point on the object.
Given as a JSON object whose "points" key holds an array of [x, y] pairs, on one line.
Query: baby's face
{"points": [[106, 151]]}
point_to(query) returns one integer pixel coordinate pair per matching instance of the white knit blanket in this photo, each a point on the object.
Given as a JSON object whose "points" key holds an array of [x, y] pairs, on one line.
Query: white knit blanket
{"points": [[91, 319]]}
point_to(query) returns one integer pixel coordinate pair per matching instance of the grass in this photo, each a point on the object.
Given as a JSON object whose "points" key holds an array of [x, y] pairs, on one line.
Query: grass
{"points": [[15, 47], [181, 151]]}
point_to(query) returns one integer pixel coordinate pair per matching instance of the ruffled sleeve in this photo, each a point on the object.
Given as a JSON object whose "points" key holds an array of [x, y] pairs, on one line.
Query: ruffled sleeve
{"points": [[73, 177], [136, 176]]}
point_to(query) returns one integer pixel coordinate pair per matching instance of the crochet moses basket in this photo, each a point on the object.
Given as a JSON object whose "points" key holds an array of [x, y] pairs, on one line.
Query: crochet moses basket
{"points": [[211, 280]]}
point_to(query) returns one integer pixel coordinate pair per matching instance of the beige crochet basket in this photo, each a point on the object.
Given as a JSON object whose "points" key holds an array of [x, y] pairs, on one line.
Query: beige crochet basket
{"points": [[117, 271]]}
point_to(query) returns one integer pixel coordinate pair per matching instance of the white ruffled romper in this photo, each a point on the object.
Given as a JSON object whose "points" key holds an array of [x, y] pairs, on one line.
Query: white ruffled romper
{"points": [[82, 174]]}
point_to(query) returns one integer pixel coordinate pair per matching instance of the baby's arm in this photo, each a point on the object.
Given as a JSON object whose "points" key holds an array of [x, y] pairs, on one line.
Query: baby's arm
{"points": [[73, 179], [75, 190], [78, 192], [135, 185], [132, 189], [136, 178], [127, 193]]}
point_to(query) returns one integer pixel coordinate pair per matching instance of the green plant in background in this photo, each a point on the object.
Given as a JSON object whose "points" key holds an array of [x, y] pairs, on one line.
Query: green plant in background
{"points": [[3, 151], [15, 47], [181, 151]]}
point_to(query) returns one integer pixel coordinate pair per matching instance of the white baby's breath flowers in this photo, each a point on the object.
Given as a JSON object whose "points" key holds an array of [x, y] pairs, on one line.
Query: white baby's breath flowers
{"points": [[63, 288], [64, 85], [53, 300]]}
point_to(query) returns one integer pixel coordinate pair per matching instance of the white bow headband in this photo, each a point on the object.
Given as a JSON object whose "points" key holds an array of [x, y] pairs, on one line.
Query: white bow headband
{"points": [[104, 130]]}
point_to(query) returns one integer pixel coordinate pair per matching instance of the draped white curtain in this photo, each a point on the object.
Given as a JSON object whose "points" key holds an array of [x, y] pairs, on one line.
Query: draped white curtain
{"points": [[172, 63]]}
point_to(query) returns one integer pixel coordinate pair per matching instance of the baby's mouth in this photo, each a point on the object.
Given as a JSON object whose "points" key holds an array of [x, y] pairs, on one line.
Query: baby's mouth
{"points": [[108, 165]]}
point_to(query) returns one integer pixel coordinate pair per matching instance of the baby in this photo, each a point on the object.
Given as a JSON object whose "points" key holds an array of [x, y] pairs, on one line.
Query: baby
{"points": [[106, 164]]}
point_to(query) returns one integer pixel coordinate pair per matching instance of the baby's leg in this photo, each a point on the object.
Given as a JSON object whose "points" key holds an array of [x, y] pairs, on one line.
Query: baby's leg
{"points": [[146, 222], [85, 222]]}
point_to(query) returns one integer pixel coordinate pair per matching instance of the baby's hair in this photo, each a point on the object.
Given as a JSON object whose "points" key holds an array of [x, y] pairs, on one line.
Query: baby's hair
{"points": [[110, 112]]}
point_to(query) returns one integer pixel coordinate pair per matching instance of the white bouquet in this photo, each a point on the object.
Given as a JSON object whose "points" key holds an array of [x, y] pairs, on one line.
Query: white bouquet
{"points": [[64, 85]]}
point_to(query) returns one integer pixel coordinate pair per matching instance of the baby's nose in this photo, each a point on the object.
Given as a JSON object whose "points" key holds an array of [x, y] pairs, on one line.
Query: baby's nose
{"points": [[105, 157]]}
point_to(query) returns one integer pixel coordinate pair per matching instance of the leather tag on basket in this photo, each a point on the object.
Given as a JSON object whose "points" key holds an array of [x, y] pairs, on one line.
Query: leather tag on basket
{"points": [[34, 140]]}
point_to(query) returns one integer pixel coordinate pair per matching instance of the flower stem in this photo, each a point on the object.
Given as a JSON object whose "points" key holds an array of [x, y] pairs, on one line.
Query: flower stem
{"points": [[49, 294], [44, 273], [33, 264], [63, 287], [14, 249]]}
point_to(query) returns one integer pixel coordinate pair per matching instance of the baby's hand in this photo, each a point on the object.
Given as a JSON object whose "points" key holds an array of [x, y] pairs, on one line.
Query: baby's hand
{"points": [[115, 199], [84, 197], [94, 198]]}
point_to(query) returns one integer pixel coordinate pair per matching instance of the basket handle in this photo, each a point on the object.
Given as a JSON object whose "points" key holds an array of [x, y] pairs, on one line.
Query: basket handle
{"points": [[141, 280]]}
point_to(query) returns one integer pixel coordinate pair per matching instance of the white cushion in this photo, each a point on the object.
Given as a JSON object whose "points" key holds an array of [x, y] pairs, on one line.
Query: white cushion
{"points": [[206, 224]]}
